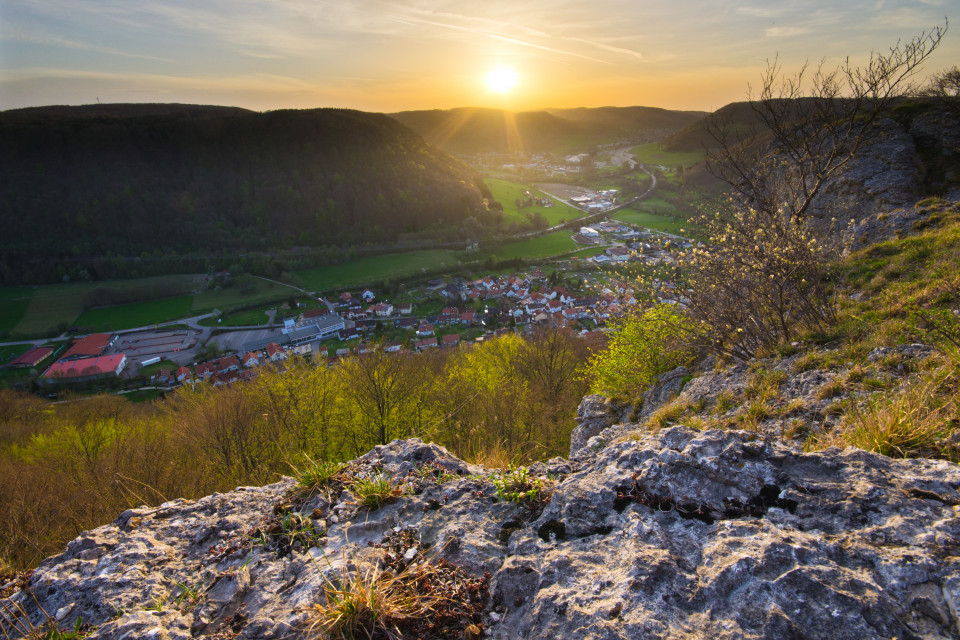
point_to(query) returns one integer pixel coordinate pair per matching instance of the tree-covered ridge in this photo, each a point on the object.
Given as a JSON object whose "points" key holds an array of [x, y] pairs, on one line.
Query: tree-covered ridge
{"points": [[80, 182], [470, 130]]}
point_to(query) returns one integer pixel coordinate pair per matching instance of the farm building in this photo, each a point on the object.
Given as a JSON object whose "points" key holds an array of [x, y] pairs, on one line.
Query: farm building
{"points": [[87, 368]]}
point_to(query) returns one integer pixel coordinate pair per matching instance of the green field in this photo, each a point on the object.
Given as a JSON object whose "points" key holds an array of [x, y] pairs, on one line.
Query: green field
{"points": [[374, 268], [649, 220], [241, 319], [652, 154], [540, 247], [246, 290], [589, 252], [60, 304], [138, 314], [149, 370], [507, 193], [13, 302]]}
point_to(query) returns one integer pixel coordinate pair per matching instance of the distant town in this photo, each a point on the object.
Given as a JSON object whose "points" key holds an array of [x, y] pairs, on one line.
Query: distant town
{"points": [[581, 295]]}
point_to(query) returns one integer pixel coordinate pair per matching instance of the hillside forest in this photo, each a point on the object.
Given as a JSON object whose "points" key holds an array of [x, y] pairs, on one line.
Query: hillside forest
{"points": [[122, 181]]}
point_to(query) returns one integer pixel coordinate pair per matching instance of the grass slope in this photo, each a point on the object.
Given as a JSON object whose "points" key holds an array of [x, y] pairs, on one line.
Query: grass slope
{"points": [[540, 247], [652, 153], [649, 220], [56, 305], [507, 193], [13, 303], [138, 314], [246, 291], [374, 268]]}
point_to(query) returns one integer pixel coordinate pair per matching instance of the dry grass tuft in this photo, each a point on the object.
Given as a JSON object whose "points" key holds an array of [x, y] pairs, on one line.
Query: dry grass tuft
{"points": [[422, 599]]}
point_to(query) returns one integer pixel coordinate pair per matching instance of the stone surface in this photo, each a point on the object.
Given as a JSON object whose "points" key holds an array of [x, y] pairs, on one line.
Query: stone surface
{"points": [[682, 534]]}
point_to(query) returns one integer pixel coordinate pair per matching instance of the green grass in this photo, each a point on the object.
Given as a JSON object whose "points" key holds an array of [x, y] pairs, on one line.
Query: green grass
{"points": [[138, 314], [507, 193], [589, 252], [144, 395], [650, 220], [60, 304], [153, 368], [13, 302], [652, 154], [540, 247], [240, 319], [247, 290], [11, 351], [371, 269]]}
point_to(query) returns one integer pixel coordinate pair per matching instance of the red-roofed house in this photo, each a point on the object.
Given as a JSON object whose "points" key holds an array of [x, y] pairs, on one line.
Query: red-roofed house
{"points": [[228, 364], [31, 358], [87, 368], [88, 346], [275, 352], [425, 330], [162, 376], [405, 308], [468, 316], [383, 309], [451, 340], [251, 359], [420, 345], [182, 374], [206, 369]]}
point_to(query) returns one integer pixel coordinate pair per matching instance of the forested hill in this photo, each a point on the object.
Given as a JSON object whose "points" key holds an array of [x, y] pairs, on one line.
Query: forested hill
{"points": [[471, 130], [85, 181]]}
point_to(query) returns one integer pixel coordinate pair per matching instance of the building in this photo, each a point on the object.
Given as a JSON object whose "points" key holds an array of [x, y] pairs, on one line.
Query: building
{"points": [[87, 368], [31, 358], [89, 346]]}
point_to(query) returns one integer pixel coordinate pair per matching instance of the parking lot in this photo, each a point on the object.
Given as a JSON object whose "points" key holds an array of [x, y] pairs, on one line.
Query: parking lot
{"points": [[144, 345]]}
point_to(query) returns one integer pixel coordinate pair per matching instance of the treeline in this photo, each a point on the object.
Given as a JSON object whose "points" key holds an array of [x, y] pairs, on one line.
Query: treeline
{"points": [[68, 467], [470, 130], [118, 183]]}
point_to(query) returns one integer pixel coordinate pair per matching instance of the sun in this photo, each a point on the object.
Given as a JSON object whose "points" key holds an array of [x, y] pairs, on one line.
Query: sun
{"points": [[502, 80]]}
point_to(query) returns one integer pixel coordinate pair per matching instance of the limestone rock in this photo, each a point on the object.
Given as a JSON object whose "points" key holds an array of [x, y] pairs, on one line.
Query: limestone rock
{"points": [[680, 534]]}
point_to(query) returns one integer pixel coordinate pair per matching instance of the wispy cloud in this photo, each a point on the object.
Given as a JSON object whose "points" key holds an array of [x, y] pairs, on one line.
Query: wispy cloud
{"points": [[608, 47], [13, 35], [523, 43], [786, 32]]}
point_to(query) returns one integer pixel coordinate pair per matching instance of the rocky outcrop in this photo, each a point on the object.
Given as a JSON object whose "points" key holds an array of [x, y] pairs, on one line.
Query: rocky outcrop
{"points": [[884, 175], [681, 534]]}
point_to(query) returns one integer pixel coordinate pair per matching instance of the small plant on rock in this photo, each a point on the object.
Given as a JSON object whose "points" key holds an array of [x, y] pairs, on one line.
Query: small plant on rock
{"points": [[421, 600], [516, 485], [314, 476], [375, 490]]}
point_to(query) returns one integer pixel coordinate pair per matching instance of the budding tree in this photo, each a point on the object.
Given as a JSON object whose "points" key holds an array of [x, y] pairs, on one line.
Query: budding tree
{"points": [[762, 272]]}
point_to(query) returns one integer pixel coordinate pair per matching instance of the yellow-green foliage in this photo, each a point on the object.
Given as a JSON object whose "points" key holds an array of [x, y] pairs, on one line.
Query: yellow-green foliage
{"points": [[69, 467], [643, 346]]}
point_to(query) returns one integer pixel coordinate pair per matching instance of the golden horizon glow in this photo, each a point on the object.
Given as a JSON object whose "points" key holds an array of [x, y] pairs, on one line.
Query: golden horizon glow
{"points": [[432, 54], [502, 79]]}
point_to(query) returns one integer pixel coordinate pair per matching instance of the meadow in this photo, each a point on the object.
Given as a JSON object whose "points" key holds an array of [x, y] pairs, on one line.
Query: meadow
{"points": [[373, 268], [649, 220], [13, 302], [55, 306], [247, 290], [551, 244], [239, 319], [138, 314], [651, 153], [507, 193], [26, 311]]}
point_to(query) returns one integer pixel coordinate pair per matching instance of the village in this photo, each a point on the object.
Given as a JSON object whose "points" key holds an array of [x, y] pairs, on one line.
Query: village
{"points": [[581, 295]]}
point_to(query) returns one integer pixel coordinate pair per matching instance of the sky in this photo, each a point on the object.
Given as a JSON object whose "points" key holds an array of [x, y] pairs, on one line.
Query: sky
{"points": [[385, 55]]}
